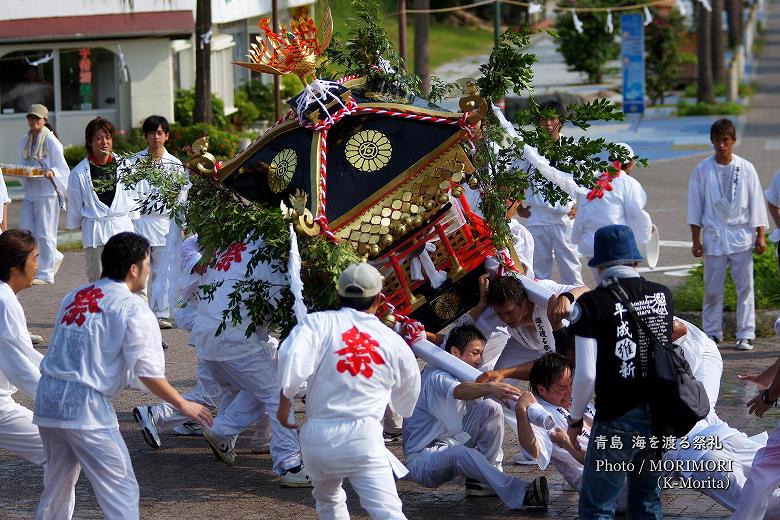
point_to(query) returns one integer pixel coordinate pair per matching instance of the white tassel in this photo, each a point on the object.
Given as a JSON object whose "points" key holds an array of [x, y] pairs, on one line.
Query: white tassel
{"points": [[423, 262], [294, 274], [534, 8], [577, 22], [648, 16], [610, 27]]}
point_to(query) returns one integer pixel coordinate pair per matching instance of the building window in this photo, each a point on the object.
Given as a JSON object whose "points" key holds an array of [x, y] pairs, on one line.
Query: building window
{"points": [[87, 79], [26, 77]]}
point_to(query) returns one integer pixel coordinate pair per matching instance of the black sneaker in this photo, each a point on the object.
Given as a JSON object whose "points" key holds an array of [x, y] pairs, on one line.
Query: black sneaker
{"points": [[223, 448], [475, 488], [143, 416], [537, 494], [390, 438]]}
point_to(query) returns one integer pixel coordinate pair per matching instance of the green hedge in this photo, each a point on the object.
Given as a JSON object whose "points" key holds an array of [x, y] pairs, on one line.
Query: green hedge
{"points": [[688, 297], [727, 108]]}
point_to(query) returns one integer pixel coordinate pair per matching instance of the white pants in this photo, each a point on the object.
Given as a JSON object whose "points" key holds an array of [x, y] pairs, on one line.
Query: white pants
{"points": [[741, 451], [709, 373], [555, 241], [206, 392], [19, 435], [93, 265], [249, 386], [479, 459], [335, 450], [155, 258], [41, 217], [106, 462], [392, 422], [714, 278], [761, 484]]}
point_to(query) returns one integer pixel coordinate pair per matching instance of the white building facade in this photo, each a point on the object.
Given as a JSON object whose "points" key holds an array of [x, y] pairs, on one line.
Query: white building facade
{"points": [[84, 59]]}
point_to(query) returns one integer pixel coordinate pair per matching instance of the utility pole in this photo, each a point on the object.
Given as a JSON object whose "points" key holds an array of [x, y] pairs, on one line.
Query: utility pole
{"points": [[402, 29], [497, 21]]}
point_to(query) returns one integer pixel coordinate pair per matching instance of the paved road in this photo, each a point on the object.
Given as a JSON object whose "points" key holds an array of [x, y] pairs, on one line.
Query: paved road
{"points": [[182, 480]]}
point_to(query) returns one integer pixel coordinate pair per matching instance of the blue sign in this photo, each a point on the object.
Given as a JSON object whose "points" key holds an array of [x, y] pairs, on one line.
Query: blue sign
{"points": [[632, 53]]}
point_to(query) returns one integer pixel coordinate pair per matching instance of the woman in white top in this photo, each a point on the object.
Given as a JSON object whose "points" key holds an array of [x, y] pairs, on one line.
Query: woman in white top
{"points": [[43, 196], [19, 361], [98, 202]]}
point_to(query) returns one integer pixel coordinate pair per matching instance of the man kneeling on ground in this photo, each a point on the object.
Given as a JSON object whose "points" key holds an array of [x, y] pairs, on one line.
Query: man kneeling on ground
{"points": [[455, 431]]}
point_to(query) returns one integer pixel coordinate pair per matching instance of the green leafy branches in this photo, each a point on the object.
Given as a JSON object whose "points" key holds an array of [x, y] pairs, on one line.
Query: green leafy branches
{"points": [[509, 68], [367, 51]]}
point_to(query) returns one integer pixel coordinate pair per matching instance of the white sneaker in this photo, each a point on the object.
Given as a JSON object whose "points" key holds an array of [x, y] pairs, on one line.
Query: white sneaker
{"points": [[522, 459], [143, 416], [744, 344], [38, 281], [188, 429], [223, 448], [296, 478], [36, 339], [164, 323]]}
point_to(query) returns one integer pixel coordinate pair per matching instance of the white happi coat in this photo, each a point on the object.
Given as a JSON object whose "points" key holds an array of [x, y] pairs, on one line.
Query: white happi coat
{"points": [[53, 160], [624, 204], [232, 343], [545, 214], [354, 366], [773, 197], [19, 361], [549, 452], [4, 198], [104, 338], [438, 415], [97, 221], [188, 285], [728, 213], [154, 226]]}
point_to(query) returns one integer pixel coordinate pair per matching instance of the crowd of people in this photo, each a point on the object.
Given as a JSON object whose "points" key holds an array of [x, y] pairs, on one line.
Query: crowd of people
{"points": [[540, 364]]}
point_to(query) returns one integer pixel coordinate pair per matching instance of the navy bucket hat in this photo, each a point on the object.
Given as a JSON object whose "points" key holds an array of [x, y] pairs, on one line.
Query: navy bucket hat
{"points": [[614, 245]]}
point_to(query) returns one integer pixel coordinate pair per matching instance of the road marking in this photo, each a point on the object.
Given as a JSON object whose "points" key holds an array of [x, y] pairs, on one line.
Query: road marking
{"points": [[667, 268], [675, 243]]}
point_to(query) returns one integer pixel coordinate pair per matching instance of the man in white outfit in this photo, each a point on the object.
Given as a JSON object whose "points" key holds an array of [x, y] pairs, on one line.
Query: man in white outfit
{"points": [[551, 224], [98, 202], [244, 367], [43, 196], [154, 225], [5, 200], [104, 338], [455, 430], [758, 496], [623, 204], [773, 204], [727, 215], [355, 367], [19, 361]]}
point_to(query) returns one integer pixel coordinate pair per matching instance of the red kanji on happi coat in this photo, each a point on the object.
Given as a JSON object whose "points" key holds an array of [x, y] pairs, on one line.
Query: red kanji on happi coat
{"points": [[86, 300], [604, 183], [360, 352], [233, 254]]}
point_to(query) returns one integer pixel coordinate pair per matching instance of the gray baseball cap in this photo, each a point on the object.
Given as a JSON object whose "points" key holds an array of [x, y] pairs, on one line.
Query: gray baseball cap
{"points": [[360, 281]]}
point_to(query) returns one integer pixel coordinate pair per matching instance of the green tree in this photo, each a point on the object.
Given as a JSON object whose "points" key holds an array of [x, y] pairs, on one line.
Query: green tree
{"points": [[590, 50], [663, 38]]}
